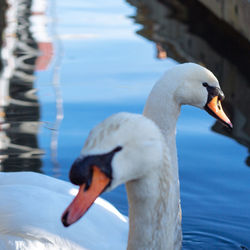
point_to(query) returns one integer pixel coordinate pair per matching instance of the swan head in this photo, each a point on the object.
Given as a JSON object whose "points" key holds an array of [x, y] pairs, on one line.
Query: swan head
{"points": [[197, 86], [122, 148]]}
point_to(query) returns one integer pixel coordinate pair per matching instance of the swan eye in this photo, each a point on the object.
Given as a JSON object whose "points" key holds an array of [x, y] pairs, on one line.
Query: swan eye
{"points": [[205, 84]]}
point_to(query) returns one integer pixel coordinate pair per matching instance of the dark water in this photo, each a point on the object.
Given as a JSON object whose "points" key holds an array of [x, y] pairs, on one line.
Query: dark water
{"points": [[77, 62]]}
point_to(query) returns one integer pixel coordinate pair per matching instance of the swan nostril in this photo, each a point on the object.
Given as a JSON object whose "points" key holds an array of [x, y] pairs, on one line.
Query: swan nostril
{"points": [[218, 104]]}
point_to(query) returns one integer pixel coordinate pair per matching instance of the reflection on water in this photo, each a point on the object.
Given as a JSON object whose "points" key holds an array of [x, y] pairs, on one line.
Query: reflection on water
{"points": [[19, 106], [3, 7], [177, 30]]}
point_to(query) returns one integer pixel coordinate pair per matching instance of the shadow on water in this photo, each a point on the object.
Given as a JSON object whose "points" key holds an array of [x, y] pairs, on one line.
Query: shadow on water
{"points": [[187, 31], [19, 106]]}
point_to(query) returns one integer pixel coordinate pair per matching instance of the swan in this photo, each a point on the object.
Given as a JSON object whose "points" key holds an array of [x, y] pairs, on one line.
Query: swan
{"points": [[129, 148], [36, 226], [30, 211]]}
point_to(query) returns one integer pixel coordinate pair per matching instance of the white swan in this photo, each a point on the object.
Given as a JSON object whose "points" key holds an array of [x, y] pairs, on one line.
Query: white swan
{"points": [[30, 210], [129, 148], [31, 203]]}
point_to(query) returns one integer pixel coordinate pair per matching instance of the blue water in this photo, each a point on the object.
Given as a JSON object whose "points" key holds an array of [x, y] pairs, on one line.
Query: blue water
{"points": [[104, 67]]}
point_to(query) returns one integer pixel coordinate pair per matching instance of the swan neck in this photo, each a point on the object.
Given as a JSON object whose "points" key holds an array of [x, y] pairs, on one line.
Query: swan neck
{"points": [[163, 108], [154, 211]]}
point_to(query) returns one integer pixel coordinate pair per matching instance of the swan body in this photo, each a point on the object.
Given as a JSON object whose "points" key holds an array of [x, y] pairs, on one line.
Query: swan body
{"points": [[144, 157], [30, 210]]}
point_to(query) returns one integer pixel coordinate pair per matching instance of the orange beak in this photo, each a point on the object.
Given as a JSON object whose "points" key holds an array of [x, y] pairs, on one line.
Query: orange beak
{"points": [[85, 198], [215, 109]]}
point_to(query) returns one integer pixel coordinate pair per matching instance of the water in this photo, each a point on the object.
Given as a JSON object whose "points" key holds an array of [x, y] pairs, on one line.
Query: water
{"points": [[97, 65]]}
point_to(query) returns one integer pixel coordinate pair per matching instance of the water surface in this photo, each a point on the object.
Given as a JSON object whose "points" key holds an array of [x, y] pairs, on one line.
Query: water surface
{"points": [[96, 65]]}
